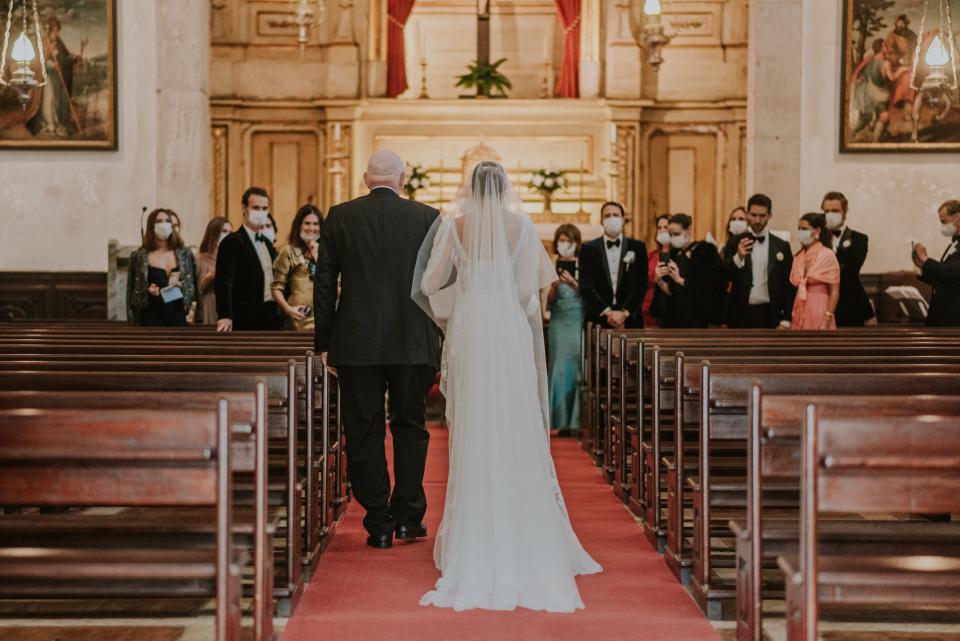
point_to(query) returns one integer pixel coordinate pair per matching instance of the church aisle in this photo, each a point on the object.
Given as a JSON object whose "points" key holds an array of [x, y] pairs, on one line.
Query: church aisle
{"points": [[359, 593]]}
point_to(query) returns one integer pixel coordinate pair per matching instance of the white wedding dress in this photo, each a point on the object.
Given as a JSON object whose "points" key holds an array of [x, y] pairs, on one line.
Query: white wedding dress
{"points": [[505, 540]]}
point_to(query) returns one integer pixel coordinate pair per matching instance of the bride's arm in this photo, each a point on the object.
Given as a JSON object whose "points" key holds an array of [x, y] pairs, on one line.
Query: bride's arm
{"points": [[436, 275]]}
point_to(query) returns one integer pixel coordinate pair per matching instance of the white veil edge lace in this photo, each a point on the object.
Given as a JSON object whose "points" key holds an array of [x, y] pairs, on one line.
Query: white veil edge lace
{"points": [[494, 235]]}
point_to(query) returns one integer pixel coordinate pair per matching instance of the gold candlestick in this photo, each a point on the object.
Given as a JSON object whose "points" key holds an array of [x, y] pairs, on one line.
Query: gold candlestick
{"points": [[423, 79], [545, 87]]}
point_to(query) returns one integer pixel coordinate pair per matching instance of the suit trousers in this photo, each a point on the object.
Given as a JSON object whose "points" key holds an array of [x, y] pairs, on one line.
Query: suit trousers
{"points": [[262, 318], [362, 390], [760, 317]]}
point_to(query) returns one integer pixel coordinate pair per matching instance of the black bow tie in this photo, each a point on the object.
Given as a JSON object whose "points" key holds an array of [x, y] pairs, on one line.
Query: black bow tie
{"points": [[260, 238], [759, 239], [837, 233], [613, 243]]}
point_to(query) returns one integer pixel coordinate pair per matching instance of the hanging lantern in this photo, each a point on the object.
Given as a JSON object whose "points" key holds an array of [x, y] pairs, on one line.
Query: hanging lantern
{"points": [[308, 17], [940, 60], [653, 38], [22, 77]]}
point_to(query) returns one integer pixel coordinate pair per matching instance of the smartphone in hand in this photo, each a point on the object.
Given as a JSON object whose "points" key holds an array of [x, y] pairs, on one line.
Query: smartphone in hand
{"points": [[664, 258]]}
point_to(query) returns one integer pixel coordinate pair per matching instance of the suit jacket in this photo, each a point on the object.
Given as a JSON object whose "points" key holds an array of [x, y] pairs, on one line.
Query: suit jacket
{"points": [[853, 308], [596, 286], [779, 263], [371, 243], [239, 280], [945, 277], [137, 296]]}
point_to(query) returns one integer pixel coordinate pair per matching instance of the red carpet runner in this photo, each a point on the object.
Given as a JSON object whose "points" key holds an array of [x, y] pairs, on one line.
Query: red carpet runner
{"points": [[359, 593]]}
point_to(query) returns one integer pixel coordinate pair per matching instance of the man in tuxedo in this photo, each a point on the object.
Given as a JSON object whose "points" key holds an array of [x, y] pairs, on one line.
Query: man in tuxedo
{"points": [[758, 265], [379, 340], [853, 308], [613, 273], [943, 274], [245, 271]]}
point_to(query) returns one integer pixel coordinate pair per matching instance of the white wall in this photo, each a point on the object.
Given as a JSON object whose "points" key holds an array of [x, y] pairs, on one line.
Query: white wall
{"points": [[893, 197], [58, 209]]}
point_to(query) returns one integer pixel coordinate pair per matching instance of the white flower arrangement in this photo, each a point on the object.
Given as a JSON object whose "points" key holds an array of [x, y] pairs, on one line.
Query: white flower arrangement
{"points": [[417, 179], [547, 181]]}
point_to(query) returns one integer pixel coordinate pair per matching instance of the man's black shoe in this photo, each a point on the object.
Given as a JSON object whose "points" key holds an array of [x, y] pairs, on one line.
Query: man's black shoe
{"points": [[382, 541], [410, 532]]}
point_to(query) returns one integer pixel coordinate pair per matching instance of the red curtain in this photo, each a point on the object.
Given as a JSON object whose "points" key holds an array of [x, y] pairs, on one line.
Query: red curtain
{"points": [[568, 84], [397, 13]]}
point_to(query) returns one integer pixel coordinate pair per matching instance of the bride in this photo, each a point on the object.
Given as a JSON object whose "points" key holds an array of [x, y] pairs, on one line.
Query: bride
{"points": [[505, 540]]}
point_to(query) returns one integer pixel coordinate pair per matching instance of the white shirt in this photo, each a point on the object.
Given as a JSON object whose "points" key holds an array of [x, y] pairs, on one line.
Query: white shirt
{"points": [[836, 239], [759, 259], [265, 262], [613, 261]]}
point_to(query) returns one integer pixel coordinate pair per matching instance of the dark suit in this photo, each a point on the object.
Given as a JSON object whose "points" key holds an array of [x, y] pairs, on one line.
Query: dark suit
{"points": [[596, 286], [699, 301], [379, 339], [853, 308], [240, 283], [740, 313], [944, 275]]}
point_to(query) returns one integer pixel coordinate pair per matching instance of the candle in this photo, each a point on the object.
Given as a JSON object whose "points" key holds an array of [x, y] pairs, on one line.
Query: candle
{"points": [[613, 132], [336, 132]]}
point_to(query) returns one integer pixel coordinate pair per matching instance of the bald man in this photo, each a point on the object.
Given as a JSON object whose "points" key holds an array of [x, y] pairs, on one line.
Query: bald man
{"points": [[379, 340]]}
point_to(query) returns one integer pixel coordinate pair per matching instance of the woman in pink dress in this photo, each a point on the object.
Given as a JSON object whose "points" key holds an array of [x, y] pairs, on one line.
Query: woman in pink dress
{"points": [[816, 275]]}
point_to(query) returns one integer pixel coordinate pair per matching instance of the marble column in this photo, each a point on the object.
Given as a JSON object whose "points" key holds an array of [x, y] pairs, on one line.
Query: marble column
{"points": [[774, 104], [183, 113]]}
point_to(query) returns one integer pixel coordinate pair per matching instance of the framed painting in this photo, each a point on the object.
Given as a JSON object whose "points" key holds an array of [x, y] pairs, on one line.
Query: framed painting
{"points": [[900, 76], [74, 105]]}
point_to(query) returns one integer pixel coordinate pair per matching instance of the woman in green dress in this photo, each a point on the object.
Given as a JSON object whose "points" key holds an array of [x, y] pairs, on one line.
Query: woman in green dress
{"points": [[564, 333]]}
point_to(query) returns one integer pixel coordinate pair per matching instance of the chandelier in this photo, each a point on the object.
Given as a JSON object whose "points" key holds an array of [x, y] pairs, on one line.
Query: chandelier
{"points": [[939, 58], [21, 76], [653, 38], [307, 17]]}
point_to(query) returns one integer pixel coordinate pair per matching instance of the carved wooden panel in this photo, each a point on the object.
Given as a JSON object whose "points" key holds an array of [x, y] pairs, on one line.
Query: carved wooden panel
{"points": [[53, 295], [683, 178], [288, 165]]}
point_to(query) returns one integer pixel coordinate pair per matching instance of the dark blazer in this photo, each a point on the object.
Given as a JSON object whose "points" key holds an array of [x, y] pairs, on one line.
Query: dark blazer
{"points": [[779, 263], [699, 301], [853, 308], [239, 279], [596, 287], [371, 243], [137, 296], [944, 275]]}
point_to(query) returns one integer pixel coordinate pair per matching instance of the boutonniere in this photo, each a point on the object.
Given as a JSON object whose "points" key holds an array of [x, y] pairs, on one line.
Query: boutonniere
{"points": [[780, 256], [846, 243], [629, 258]]}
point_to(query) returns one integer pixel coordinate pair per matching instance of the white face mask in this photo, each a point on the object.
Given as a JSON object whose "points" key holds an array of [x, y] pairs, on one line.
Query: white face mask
{"points": [[678, 242], [308, 238], [258, 218], [270, 233], [566, 249], [163, 231], [805, 237], [663, 238], [948, 229], [738, 227], [613, 225], [834, 220]]}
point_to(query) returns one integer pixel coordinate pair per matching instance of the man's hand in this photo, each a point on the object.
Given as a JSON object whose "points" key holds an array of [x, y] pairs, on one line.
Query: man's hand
{"points": [[745, 247], [225, 325], [616, 319], [920, 255], [323, 359]]}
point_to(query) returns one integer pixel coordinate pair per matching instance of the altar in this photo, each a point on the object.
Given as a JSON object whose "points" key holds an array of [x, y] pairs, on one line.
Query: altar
{"points": [[584, 140]]}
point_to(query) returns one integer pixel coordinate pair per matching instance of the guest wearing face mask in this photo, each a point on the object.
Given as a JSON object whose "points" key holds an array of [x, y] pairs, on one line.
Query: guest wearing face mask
{"points": [[736, 223], [217, 229], [270, 230], [651, 315], [244, 275], [161, 284], [690, 282], [816, 275], [613, 278], [854, 308], [294, 269], [564, 333], [943, 274], [758, 265]]}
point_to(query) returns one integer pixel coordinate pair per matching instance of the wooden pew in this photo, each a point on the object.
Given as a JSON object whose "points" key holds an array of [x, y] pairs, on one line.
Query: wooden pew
{"points": [[873, 465], [775, 422], [722, 408], [173, 458]]}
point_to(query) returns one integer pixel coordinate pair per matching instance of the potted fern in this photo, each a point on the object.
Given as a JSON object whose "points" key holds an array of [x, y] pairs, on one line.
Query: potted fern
{"points": [[486, 78]]}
